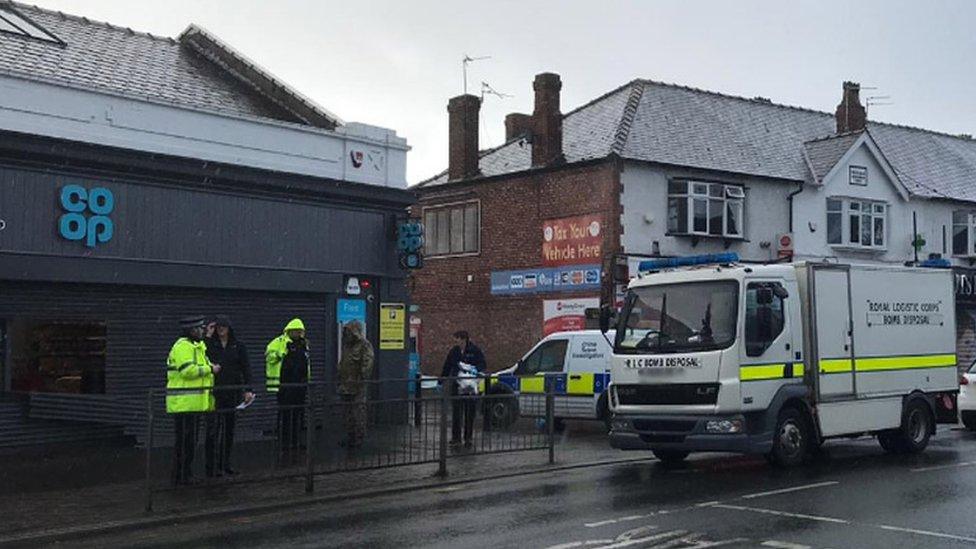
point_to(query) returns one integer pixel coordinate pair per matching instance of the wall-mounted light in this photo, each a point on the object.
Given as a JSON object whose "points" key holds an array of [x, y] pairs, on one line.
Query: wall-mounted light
{"points": [[3, 224], [812, 225]]}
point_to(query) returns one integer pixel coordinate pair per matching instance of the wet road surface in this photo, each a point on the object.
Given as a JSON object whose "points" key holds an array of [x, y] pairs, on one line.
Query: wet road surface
{"points": [[854, 496]]}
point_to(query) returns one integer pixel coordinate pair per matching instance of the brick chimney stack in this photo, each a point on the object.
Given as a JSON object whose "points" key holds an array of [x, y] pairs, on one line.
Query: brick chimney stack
{"points": [[517, 125], [462, 160], [850, 114], [547, 121]]}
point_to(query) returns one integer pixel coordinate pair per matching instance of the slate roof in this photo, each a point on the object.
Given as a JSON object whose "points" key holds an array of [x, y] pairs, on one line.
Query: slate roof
{"points": [[669, 124], [823, 154], [104, 57]]}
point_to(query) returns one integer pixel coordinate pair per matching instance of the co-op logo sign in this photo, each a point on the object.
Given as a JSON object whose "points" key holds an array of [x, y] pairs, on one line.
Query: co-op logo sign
{"points": [[86, 214]]}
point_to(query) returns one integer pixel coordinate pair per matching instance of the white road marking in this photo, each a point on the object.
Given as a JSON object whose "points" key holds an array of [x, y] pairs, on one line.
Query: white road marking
{"points": [[616, 520], [937, 467], [927, 533], [664, 536], [793, 489], [587, 543], [781, 513], [783, 545]]}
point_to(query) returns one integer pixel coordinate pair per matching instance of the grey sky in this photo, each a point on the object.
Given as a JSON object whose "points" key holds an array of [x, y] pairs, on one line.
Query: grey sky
{"points": [[395, 63]]}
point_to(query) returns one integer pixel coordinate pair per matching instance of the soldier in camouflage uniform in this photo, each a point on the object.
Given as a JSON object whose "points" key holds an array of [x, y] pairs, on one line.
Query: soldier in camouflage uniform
{"points": [[355, 366]]}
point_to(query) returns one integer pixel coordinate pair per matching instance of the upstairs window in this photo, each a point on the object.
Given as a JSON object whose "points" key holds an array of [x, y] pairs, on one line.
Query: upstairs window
{"points": [[856, 223], [453, 229], [963, 233], [705, 209], [14, 23]]}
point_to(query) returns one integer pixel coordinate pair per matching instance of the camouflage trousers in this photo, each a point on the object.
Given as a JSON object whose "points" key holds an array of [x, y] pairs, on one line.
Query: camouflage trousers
{"points": [[354, 408]]}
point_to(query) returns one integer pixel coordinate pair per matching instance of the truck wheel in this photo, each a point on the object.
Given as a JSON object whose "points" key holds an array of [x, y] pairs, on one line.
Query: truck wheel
{"points": [[916, 428], [889, 442], [671, 458], [969, 422], [791, 440], [603, 411]]}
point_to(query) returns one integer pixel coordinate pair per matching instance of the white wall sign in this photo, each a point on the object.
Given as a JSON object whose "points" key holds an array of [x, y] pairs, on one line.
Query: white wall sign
{"points": [[563, 315], [858, 175]]}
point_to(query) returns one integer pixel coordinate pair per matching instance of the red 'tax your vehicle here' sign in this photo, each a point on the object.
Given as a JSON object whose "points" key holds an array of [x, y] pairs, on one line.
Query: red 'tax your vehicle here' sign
{"points": [[572, 240]]}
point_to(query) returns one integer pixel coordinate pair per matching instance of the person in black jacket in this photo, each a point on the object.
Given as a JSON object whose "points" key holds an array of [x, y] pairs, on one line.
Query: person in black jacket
{"points": [[223, 348], [469, 353]]}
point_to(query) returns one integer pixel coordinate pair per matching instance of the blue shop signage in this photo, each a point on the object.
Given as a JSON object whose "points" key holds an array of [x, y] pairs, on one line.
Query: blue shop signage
{"points": [[568, 278], [86, 214]]}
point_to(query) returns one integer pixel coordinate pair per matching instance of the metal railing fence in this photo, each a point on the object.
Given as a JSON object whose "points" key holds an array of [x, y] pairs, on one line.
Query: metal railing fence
{"points": [[307, 430]]}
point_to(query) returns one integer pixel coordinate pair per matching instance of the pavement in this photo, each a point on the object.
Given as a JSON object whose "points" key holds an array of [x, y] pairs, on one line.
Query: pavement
{"points": [[67, 492], [852, 496]]}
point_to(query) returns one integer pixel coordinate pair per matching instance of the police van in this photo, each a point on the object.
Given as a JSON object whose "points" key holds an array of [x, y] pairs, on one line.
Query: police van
{"points": [[711, 354], [575, 365]]}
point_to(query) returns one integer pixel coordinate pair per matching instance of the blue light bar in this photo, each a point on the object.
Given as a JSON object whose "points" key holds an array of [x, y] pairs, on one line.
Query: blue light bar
{"points": [[672, 262]]}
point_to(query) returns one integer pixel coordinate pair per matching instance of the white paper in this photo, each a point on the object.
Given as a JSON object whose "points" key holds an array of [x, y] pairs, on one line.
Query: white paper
{"points": [[244, 405]]}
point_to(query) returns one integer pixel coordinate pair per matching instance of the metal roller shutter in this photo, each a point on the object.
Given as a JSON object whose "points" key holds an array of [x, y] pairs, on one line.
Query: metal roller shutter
{"points": [[141, 326]]}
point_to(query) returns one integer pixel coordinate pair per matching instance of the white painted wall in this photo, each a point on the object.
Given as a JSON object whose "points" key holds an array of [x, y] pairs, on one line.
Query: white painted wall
{"points": [[645, 213], [810, 217], [39, 108]]}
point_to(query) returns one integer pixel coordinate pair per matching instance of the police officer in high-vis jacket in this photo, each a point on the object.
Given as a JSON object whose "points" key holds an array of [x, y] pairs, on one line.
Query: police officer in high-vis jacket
{"points": [[287, 372], [189, 370]]}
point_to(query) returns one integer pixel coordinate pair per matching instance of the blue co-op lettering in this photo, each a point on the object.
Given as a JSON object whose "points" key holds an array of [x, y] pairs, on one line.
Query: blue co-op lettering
{"points": [[86, 214]]}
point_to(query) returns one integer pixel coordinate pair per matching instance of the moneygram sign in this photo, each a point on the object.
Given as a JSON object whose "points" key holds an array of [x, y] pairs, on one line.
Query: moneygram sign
{"points": [[572, 241]]}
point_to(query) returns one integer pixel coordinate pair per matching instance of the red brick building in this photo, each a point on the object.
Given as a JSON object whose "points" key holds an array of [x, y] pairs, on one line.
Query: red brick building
{"points": [[478, 225], [657, 169]]}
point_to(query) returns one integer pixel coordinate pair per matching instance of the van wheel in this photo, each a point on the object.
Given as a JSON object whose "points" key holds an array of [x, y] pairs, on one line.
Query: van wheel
{"points": [[791, 439], [671, 458], [969, 422], [502, 410], [603, 411], [916, 428]]}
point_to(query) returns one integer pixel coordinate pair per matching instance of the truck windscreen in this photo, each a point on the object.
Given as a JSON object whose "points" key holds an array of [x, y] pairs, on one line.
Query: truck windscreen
{"points": [[683, 317]]}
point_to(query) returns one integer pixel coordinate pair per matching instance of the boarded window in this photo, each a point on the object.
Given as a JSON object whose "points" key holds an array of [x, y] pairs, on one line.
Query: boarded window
{"points": [[452, 229]]}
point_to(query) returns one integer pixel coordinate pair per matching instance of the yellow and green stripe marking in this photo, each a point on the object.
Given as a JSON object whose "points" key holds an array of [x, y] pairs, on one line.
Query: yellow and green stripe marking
{"points": [[886, 363], [766, 372]]}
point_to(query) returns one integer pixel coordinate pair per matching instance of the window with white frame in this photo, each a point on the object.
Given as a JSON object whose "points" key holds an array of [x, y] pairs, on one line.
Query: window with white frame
{"points": [[705, 209], [856, 223], [452, 229], [964, 233]]}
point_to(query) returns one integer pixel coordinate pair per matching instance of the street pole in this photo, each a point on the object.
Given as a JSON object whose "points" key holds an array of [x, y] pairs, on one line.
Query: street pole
{"points": [[150, 417], [417, 404], [309, 443], [551, 421], [442, 468]]}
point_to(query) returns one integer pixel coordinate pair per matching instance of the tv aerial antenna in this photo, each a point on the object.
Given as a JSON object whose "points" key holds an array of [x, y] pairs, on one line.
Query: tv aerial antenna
{"points": [[486, 89], [876, 101], [467, 60]]}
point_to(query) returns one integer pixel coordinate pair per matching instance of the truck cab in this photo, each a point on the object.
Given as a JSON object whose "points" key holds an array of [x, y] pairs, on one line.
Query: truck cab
{"points": [[731, 357]]}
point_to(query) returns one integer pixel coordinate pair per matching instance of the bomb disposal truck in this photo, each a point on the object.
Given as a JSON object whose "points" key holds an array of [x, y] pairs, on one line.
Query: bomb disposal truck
{"points": [[715, 355]]}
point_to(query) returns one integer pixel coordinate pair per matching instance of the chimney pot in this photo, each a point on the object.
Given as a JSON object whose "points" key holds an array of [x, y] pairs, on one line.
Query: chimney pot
{"points": [[547, 121], [850, 114], [517, 125], [463, 137]]}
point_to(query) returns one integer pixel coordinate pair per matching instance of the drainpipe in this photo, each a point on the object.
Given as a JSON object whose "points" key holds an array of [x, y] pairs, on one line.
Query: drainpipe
{"points": [[789, 199]]}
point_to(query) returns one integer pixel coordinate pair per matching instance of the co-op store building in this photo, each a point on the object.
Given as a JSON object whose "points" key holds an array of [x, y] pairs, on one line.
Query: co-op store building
{"points": [[143, 179]]}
